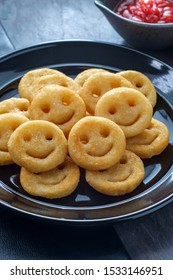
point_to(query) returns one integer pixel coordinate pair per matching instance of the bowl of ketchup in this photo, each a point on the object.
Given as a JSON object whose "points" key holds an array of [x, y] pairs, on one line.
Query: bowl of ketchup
{"points": [[145, 24]]}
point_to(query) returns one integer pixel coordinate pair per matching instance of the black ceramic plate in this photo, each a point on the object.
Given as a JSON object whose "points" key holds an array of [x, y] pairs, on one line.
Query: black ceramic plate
{"points": [[85, 205]]}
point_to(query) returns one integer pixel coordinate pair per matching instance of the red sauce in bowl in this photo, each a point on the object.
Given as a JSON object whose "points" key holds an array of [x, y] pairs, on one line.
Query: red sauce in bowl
{"points": [[150, 11]]}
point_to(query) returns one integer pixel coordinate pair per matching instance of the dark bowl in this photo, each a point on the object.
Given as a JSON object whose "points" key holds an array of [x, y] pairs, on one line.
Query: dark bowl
{"points": [[141, 35]]}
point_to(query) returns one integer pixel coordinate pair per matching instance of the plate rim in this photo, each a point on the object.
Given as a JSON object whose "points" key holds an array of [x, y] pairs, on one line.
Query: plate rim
{"points": [[102, 42]]}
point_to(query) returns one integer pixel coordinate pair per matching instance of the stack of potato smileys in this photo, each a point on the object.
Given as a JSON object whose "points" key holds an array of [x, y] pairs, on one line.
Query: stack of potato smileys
{"points": [[100, 121]]}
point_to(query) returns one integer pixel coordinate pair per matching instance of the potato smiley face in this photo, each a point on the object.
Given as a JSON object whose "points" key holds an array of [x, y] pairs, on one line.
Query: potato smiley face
{"points": [[41, 146], [142, 83], [96, 143], [58, 182], [8, 123], [97, 85], [152, 141], [128, 108], [28, 85], [15, 105], [59, 105], [83, 76], [122, 178]]}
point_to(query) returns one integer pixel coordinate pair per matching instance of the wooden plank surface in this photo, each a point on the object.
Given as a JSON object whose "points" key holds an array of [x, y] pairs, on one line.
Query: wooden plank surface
{"points": [[149, 237], [5, 43], [30, 22]]}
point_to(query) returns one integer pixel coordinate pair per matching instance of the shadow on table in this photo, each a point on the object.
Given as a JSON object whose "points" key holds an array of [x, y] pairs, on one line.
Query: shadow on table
{"points": [[24, 238]]}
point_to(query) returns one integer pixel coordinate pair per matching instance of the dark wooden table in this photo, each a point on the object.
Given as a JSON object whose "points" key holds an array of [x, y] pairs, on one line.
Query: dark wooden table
{"points": [[28, 22]]}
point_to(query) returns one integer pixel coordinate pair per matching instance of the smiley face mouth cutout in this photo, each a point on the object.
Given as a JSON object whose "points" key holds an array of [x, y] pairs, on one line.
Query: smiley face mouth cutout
{"points": [[147, 140], [151, 140], [54, 181], [129, 123], [68, 119], [40, 156], [100, 153], [122, 180]]}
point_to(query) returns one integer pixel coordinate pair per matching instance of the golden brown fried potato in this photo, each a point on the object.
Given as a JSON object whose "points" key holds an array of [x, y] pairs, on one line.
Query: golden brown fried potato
{"points": [[96, 143], [56, 183], [15, 105], [58, 105], [8, 124], [152, 141], [120, 179], [83, 76], [97, 85], [41, 146], [128, 108], [33, 81], [142, 83]]}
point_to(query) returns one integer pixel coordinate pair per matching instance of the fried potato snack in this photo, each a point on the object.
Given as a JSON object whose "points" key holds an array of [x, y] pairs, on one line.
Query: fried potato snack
{"points": [[59, 105], [85, 74], [97, 85], [14, 105], [120, 179], [56, 183], [142, 83], [128, 108], [99, 121], [38, 146], [152, 141], [27, 82], [96, 143], [8, 124], [30, 84]]}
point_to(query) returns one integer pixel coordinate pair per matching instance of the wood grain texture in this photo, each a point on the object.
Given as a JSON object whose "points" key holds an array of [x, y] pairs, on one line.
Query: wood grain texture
{"points": [[29, 22], [149, 237], [5, 43]]}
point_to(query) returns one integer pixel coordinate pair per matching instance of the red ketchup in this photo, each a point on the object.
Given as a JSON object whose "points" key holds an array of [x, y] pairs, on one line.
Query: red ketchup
{"points": [[151, 11]]}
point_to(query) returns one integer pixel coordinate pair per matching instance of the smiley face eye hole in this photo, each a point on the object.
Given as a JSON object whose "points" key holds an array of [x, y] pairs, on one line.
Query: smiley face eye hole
{"points": [[65, 101], [27, 138], [45, 108], [84, 139], [96, 93], [112, 110], [49, 137], [139, 84], [104, 133], [123, 160], [131, 103]]}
